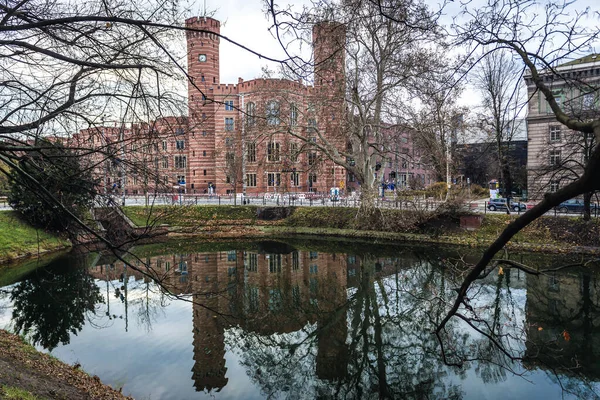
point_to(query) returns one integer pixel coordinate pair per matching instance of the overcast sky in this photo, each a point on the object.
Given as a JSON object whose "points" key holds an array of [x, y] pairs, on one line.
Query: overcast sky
{"points": [[245, 21]]}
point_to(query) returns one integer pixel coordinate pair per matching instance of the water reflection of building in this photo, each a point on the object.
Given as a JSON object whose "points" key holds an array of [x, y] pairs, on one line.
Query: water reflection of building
{"points": [[563, 317], [264, 293]]}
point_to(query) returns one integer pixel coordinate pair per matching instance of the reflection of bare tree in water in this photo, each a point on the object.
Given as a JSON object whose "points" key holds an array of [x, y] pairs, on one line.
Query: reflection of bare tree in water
{"points": [[554, 333], [377, 340], [151, 304], [332, 325], [4, 296]]}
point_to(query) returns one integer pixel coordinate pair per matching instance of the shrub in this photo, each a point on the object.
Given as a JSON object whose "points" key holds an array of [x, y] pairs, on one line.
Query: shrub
{"points": [[437, 190], [478, 191], [67, 186]]}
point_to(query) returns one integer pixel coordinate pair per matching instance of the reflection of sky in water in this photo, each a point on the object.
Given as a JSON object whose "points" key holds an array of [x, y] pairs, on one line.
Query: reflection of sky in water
{"points": [[148, 364], [153, 359]]}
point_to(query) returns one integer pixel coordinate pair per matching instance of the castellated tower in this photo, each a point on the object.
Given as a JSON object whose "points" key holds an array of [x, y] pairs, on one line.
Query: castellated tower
{"points": [[203, 69], [329, 52], [238, 133]]}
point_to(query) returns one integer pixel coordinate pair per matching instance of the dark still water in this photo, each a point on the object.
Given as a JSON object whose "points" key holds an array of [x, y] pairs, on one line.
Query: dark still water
{"points": [[312, 319]]}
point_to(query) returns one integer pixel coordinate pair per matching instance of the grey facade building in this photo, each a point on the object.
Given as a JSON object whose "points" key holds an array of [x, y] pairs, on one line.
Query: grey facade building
{"points": [[556, 154]]}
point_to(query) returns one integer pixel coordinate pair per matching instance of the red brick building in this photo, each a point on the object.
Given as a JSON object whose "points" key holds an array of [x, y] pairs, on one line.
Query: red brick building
{"points": [[138, 159], [257, 136], [251, 136]]}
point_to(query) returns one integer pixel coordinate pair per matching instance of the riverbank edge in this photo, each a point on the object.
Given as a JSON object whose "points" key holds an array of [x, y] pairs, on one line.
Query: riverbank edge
{"points": [[44, 376], [20, 258], [211, 232], [546, 234], [17, 246], [210, 225]]}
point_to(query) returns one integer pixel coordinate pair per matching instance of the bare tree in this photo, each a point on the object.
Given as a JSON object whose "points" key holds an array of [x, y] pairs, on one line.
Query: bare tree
{"points": [[499, 79], [437, 119], [543, 42], [68, 69], [384, 57]]}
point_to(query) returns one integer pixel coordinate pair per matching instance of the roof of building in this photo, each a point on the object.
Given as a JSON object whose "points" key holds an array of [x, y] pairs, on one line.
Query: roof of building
{"points": [[590, 58]]}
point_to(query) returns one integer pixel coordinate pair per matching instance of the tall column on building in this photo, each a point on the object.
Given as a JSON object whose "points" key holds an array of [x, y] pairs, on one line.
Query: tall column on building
{"points": [[203, 70], [329, 47]]}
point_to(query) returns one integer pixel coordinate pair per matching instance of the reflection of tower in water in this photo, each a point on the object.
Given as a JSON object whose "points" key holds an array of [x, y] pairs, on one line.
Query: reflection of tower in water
{"points": [[292, 290], [332, 354], [209, 368]]}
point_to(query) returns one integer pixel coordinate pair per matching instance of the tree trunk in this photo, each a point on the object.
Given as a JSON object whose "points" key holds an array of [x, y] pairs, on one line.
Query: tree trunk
{"points": [[507, 183], [587, 214]]}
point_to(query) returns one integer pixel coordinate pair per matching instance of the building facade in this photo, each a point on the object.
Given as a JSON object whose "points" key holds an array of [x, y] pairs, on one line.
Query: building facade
{"points": [[556, 155], [251, 136], [254, 137]]}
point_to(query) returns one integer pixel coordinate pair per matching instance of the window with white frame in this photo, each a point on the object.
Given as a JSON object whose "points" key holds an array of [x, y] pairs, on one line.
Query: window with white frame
{"points": [[554, 133], [250, 113], [273, 151], [295, 179], [312, 179], [165, 162], [251, 152], [252, 263], [251, 180], [272, 113], [294, 152], [273, 179], [554, 185], [180, 144], [555, 157], [180, 162], [228, 105], [228, 124], [274, 263], [293, 115]]}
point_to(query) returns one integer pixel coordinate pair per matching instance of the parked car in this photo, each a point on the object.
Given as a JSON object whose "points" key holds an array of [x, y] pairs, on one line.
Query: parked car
{"points": [[500, 204], [574, 206]]}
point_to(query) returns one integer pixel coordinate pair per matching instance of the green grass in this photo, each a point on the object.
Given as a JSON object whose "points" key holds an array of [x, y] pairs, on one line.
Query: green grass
{"points": [[9, 392], [187, 215], [18, 239]]}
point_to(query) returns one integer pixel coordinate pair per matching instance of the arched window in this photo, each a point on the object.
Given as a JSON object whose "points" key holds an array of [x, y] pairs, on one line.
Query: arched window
{"points": [[250, 113], [273, 112]]}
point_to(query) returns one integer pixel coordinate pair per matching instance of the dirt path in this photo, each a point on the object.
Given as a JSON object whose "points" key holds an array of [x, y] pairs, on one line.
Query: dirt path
{"points": [[22, 366]]}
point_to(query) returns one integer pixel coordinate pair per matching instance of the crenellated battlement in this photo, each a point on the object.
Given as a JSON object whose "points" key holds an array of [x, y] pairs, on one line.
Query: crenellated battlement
{"points": [[207, 23]]}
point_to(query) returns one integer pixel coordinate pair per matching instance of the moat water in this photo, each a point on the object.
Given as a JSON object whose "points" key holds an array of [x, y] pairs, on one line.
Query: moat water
{"points": [[312, 319]]}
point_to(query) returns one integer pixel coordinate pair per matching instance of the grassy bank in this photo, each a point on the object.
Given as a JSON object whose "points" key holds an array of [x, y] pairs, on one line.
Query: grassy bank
{"points": [[25, 373], [19, 239], [557, 234], [189, 215]]}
